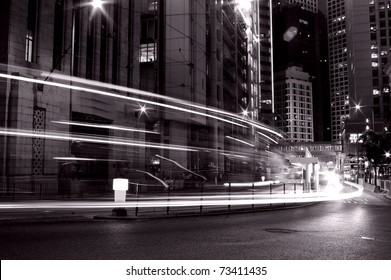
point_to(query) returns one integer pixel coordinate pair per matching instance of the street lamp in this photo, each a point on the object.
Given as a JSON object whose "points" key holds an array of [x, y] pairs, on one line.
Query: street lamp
{"points": [[96, 4], [358, 107]]}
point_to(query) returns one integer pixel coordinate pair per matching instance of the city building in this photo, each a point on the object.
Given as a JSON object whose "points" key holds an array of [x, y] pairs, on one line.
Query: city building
{"points": [[40, 40], [338, 61], [293, 104], [300, 39], [266, 88], [359, 48], [309, 5]]}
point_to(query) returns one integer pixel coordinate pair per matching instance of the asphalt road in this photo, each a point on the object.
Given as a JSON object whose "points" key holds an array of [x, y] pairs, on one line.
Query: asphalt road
{"points": [[358, 228]]}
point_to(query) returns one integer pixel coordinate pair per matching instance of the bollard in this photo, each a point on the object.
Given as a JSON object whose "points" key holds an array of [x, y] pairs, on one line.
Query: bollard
{"points": [[202, 191], [294, 187], [252, 206], [168, 201], [284, 187], [229, 196], [136, 209], [120, 186]]}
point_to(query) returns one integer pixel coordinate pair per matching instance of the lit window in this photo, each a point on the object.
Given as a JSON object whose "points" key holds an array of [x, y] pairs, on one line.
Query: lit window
{"points": [[148, 52], [29, 46], [152, 7]]}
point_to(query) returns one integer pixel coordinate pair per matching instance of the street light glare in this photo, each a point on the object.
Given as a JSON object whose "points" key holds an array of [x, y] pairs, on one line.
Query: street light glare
{"points": [[358, 107], [97, 4], [245, 113], [245, 5]]}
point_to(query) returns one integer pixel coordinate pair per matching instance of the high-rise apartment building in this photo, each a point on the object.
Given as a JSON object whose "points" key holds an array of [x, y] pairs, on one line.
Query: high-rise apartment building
{"points": [[293, 104]]}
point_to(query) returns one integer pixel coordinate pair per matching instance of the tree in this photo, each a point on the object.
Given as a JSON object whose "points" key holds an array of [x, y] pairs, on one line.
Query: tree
{"points": [[376, 146]]}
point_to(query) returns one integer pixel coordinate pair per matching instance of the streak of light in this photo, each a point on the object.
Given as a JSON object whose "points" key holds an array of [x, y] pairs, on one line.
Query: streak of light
{"points": [[171, 99], [187, 201], [240, 141], [138, 92], [85, 159], [113, 127], [180, 166], [367, 238], [154, 177], [264, 135], [233, 155], [24, 133], [249, 184], [104, 93], [137, 184]]}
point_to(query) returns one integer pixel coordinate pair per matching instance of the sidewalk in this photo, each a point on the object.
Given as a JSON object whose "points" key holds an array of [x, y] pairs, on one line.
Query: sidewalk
{"points": [[385, 191]]}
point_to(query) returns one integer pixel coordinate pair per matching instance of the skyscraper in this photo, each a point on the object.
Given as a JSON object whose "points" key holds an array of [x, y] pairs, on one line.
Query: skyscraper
{"points": [[359, 44], [309, 5], [338, 61], [300, 39], [266, 88]]}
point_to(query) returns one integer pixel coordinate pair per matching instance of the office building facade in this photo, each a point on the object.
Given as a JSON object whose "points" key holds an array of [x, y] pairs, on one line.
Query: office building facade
{"points": [[95, 127], [294, 104]]}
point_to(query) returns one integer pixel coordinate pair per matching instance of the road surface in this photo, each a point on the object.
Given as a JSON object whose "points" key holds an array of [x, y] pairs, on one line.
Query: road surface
{"points": [[358, 228]]}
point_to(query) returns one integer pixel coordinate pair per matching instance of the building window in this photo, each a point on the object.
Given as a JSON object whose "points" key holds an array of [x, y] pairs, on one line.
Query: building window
{"points": [[29, 46], [31, 26], [148, 52], [58, 34]]}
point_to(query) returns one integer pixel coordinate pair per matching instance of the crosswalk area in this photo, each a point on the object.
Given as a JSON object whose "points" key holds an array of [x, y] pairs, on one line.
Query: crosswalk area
{"points": [[356, 201]]}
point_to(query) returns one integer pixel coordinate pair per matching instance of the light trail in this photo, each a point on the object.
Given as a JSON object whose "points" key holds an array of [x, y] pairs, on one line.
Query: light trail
{"points": [[240, 141], [128, 98], [264, 135], [85, 159], [154, 177], [65, 137], [205, 200], [171, 99], [112, 127], [180, 166], [250, 184]]}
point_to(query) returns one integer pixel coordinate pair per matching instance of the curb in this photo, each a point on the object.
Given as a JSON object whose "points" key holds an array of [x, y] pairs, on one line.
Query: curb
{"points": [[41, 219]]}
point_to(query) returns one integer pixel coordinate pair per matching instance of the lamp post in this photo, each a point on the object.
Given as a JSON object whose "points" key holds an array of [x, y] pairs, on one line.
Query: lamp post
{"points": [[358, 107], [96, 4]]}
